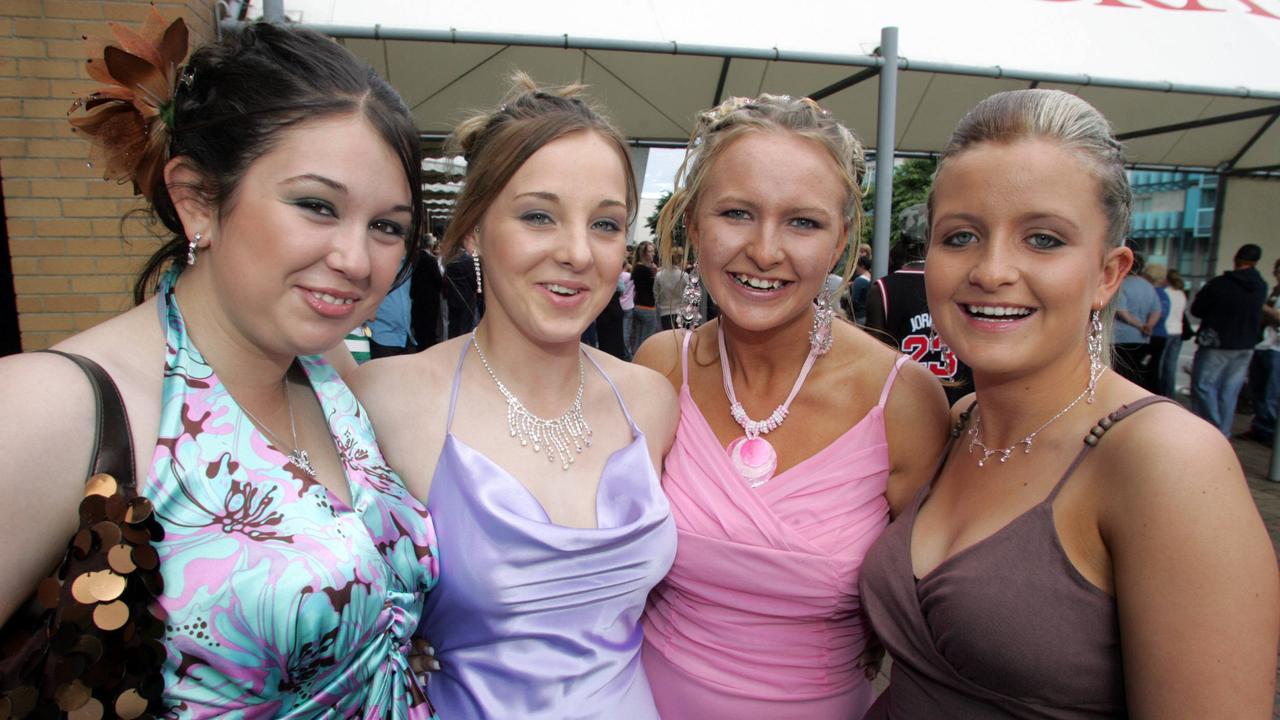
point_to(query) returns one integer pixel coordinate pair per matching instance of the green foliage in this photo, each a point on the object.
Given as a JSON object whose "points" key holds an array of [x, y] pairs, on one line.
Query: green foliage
{"points": [[677, 235], [911, 182]]}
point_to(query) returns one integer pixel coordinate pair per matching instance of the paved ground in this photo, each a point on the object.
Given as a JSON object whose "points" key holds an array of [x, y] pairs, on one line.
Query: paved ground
{"points": [[1256, 460]]}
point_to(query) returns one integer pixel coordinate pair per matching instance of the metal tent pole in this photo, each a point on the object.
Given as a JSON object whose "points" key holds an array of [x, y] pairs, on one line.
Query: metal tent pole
{"points": [[574, 42], [884, 151], [273, 11]]}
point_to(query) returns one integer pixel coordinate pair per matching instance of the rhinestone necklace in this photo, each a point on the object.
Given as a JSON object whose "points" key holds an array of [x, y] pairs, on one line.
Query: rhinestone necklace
{"points": [[975, 432], [296, 456], [556, 435]]}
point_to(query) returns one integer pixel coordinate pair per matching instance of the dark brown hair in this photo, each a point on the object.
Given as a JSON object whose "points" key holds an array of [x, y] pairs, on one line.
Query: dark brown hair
{"points": [[242, 93]]}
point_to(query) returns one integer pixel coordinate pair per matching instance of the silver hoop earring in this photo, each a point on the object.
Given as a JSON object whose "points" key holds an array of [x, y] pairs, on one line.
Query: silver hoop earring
{"points": [[475, 261], [1095, 352], [191, 249], [690, 315], [823, 315]]}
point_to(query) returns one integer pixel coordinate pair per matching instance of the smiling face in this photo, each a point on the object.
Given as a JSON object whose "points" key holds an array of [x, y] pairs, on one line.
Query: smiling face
{"points": [[553, 241], [767, 227], [311, 240], [1017, 256]]}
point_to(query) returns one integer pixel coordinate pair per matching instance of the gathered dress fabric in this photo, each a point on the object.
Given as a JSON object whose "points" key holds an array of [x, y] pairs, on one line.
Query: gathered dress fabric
{"points": [[1005, 628], [280, 600], [533, 619], [760, 614]]}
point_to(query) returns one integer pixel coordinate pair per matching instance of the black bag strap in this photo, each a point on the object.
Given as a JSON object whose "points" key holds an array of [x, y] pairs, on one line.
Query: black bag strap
{"points": [[113, 439]]}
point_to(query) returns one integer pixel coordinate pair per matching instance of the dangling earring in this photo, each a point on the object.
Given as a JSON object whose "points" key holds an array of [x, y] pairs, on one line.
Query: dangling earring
{"points": [[690, 315], [1095, 352], [191, 249], [823, 314], [475, 260]]}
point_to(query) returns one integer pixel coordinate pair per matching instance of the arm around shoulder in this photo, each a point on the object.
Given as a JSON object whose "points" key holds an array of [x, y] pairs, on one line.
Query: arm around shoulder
{"points": [[1195, 573], [916, 423], [48, 405]]}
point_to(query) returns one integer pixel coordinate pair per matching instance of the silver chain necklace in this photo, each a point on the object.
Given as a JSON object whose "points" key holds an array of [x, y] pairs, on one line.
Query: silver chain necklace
{"points": [[296, 456], [556, 435], [975, 432]]}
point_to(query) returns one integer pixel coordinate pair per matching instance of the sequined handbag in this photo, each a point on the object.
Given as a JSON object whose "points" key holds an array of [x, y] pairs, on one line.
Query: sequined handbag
{"points": [[86, 643]]}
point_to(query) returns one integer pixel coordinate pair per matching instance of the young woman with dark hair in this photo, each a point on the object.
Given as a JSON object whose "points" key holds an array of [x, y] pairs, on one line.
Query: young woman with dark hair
{"points": [[262, 560]]}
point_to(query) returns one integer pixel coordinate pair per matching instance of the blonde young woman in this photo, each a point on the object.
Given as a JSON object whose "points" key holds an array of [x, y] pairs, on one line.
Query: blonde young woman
{"points": [[798, 438], [542, 452], [1086, 549]]}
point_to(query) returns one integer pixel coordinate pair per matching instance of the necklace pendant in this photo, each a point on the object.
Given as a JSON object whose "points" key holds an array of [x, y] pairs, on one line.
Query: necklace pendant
{"points": [[300, 459], [754, 458]]}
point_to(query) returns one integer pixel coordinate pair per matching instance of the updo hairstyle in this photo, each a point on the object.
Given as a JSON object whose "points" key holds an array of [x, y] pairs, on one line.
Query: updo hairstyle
{"points": [[496, 144], [718, 127], [1059, 116], [239, 95], [1052, 115]]}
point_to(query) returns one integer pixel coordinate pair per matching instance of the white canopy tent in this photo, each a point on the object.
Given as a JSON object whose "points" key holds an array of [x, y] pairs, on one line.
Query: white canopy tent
{"points": [[1187, 84]]}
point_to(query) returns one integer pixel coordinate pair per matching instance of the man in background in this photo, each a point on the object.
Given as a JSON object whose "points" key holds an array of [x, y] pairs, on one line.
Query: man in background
{"points": [[1230, 311]]}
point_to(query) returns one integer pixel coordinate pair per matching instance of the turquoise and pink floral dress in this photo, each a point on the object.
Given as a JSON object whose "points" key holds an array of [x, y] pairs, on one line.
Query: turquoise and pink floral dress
{"points": [[281, 600]]}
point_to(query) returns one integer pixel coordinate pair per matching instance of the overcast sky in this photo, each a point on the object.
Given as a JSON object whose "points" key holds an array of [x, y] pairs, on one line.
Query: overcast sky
{"points": [[660, 173]]}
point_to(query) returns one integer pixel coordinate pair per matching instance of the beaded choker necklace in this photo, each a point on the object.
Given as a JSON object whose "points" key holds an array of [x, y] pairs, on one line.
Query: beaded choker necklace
{"points": [[754, 457]]}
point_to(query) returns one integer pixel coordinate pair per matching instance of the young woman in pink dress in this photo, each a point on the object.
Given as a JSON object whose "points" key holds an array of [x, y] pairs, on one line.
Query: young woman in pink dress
{"points": [[760, 614]]}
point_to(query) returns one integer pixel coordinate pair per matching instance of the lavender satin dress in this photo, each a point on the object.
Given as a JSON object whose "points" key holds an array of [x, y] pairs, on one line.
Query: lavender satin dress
{"points": [[532, 619]]}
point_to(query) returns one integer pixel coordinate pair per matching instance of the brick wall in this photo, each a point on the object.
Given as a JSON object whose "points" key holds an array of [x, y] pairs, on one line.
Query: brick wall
{"points": [[73, 249]]}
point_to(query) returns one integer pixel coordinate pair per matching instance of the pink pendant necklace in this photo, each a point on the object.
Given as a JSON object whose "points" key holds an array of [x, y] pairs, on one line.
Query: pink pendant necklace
{"points": [[752, 456]]}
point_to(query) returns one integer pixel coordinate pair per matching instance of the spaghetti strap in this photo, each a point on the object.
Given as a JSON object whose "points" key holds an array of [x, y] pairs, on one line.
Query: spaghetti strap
{"points": [[684, 360], [457, 381], [635, 429], [1096, 433], [888, 382]]}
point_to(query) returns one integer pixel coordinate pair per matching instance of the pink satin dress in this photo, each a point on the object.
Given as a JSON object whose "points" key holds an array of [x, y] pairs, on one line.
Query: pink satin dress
{"points": [[760, 615]]}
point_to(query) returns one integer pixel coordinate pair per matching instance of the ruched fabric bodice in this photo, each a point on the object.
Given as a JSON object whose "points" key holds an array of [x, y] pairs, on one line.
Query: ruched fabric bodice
{"points": [[1004, 628], [760, 612], [537, 620]]}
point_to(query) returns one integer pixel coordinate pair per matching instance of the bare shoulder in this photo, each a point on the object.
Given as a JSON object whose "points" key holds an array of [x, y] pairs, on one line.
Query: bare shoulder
{"points": [[1165, 453], [407, 398], [962, 406], [661, 353], [50, 419], [394, 385], [861, 350], [648, 395], [1188, 550]]}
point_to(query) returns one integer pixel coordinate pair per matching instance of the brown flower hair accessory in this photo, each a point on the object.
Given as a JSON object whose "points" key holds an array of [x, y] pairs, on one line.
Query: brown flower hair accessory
{"points": [[129, 121]]}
